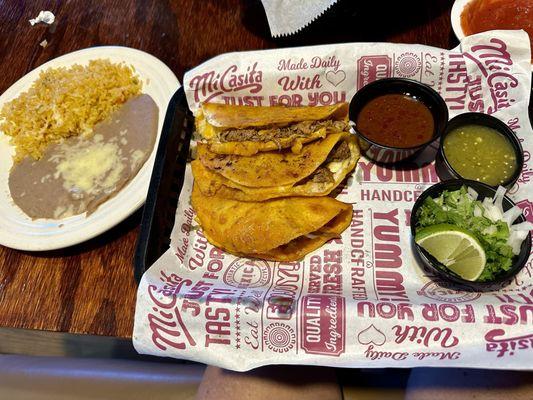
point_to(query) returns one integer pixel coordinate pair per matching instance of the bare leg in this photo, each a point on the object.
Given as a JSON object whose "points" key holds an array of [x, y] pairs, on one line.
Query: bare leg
{"points": [[270, 383], [467, 384]]}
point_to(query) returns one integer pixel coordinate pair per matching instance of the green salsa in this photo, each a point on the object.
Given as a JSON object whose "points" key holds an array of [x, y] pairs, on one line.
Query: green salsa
{"points": [[480, 153]]}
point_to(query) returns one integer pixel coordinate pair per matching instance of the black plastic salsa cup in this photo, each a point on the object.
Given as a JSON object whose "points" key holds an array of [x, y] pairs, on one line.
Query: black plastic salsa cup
{"points": [[443, 166], [432, 264], [417, 90]]}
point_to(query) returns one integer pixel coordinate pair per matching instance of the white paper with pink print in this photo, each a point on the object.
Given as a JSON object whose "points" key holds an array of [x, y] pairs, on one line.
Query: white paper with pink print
{"points": [[362, 300]]}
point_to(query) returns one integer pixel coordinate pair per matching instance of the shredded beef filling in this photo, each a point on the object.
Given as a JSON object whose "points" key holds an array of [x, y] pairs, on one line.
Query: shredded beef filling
{"points": [[322, 175], [301, 129], [220, 161], [340, 152]]}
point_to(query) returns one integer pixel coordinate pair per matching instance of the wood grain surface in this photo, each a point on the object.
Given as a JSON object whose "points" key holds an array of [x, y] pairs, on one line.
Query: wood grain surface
{"points": [[89, 288]]}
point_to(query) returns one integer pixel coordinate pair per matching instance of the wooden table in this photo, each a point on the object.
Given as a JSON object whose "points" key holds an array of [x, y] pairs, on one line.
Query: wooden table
{"points": [[81, 300]]}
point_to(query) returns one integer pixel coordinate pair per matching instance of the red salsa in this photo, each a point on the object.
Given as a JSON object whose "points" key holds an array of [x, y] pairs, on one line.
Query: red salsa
{"points": [[485, 15], [396, 120]]}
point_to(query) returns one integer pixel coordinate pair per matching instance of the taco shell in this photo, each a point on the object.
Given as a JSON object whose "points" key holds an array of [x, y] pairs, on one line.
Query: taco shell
{"points": [[282, 229]]}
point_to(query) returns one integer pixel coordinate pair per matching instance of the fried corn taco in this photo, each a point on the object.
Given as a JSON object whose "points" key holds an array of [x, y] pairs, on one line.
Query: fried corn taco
{"points": [[281, 229], [315, 171], [247, 130]]}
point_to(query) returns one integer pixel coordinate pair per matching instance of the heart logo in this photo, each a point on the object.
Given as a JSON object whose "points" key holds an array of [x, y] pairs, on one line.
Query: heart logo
{"points": [[335, 78], [371, 335]]}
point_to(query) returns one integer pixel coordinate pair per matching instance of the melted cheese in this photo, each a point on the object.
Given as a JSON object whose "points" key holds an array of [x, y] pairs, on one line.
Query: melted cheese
{"points": [[136, 158], [93, 168], [338, 167], [205, 129]]}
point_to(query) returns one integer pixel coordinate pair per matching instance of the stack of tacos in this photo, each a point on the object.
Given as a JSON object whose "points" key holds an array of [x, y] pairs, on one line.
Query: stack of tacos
{"points": [[263, 176]]}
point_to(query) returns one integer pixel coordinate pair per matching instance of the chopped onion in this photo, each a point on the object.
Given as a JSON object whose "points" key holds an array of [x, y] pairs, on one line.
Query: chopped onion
{"points": [[487, 203], [491, 211], [515, 242], [498, 213], [511, 215], [523, 226], [473, 194], [478, 211], [498, 197], [521, 234]]}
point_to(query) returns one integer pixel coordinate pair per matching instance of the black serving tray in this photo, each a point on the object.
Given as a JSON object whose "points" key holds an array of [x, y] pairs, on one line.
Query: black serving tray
{"points": [[165, 184]]}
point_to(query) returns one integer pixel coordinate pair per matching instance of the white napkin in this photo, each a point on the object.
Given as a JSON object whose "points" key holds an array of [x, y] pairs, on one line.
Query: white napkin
{"points": [[286, 17], [46, 17]]}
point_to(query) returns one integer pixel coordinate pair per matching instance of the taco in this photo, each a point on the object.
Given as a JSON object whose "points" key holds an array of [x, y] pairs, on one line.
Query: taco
{"points": [[281, 229], [318, 169], [247, 130]]}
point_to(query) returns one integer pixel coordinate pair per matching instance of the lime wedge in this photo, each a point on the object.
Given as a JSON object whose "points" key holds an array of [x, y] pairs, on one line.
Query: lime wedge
{"points": [[455, 248]]}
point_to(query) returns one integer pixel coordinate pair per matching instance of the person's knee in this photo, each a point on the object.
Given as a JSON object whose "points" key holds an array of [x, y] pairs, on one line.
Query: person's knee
{"points": [[269, 383]]}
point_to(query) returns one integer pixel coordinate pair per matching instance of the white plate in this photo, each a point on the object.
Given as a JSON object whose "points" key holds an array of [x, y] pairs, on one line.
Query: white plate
{"points": [[17, 230], [457, 10]]}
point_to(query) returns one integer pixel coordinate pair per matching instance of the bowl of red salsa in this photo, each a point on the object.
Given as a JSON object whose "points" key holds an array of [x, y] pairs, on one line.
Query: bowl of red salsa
{"points": [[396, 118], [474, 16]]}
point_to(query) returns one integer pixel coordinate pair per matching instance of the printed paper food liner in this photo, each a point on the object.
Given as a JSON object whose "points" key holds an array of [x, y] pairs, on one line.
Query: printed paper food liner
{"points": [[362, 300], [286, 17]]}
